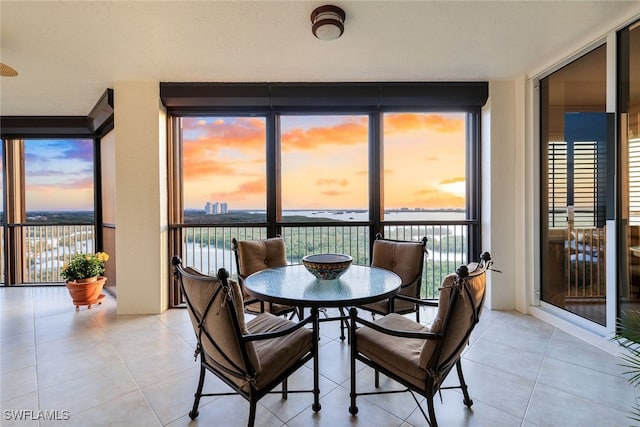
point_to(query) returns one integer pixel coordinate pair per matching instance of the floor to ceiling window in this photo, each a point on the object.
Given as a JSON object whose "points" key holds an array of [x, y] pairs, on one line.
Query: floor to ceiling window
{"points": [[326, 172], [427, 175], [50, 206], [575, 141]]}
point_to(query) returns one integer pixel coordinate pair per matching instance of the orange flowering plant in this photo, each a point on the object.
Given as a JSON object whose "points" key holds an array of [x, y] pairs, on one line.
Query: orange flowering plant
{"points": [[83, 266]]}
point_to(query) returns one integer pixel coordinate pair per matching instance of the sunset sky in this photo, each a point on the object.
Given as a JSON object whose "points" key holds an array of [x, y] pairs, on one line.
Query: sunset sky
{"points": [[324, 163], [325, 160], [59, 175]]}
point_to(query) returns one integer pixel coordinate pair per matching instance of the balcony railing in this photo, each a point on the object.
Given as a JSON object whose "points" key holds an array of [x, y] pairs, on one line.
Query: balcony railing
{"points": [[46, 248], [208, 247]]}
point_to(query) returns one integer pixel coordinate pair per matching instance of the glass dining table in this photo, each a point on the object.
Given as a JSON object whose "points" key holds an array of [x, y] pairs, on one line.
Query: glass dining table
{"points": [[294, 285]]}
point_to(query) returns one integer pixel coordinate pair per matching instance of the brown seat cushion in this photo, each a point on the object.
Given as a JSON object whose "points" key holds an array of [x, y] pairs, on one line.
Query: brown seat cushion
{"points": [[399, 355], [461, 320], [278, 354], [256, 255], [403, 258], [218, 322]]}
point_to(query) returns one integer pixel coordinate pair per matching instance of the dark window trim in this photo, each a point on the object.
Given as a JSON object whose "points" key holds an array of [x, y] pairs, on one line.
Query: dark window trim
{"points": [[96, 124], [194, 98]]}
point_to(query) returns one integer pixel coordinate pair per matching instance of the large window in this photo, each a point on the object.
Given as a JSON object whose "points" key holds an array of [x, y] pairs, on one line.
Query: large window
{"points": [[50, 198], [331, 152], [327, 168], [425, 162], [224, 169], [58, 178]]}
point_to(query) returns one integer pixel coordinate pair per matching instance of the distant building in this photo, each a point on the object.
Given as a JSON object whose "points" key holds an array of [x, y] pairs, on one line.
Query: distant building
{"points": [[215, 208]]}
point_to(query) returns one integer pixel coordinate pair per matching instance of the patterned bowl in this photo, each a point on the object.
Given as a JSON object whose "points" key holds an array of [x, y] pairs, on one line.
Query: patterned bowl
{"points": [[327, 266]]}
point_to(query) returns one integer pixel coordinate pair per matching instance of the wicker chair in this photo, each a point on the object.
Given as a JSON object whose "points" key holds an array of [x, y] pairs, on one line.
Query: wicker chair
{"points": [[420, 357], [252, 358], [255, 255]]}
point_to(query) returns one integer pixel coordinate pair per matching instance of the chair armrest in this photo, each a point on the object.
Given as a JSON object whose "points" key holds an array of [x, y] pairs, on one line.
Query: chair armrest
{"points": [[276, 334], [393, 332], [425, 302]]}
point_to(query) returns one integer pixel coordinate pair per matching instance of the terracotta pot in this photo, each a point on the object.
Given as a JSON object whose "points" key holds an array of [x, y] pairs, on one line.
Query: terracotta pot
{"points": [[87, 280], [88, 292]]}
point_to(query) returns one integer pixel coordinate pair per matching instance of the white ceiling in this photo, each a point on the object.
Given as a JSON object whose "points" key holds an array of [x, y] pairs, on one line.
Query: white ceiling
{"points": [[69, 52]]}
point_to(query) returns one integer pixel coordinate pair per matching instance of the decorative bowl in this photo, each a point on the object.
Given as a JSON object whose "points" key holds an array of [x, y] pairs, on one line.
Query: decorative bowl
{"points": [[327, 266]]}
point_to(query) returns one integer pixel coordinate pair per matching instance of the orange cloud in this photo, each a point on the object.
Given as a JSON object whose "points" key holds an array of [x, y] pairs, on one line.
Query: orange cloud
{"points": [[426, 191], [335, 193], [332, 181], [201, 167], [343, 134], [435, 122], [245, 134], [453, 180], [245, 189]]}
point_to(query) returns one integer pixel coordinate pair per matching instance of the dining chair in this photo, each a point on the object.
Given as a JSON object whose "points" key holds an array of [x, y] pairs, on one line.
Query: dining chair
{"points": [[417, 356], [406, 259], [253, 357], [252, 256]]}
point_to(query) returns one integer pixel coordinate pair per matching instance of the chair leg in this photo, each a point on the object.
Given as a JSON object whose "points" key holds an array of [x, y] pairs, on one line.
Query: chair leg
{"points": [[194, 411], [252, 412], [432, 412], [353, 408], [463, 385], [284, 389], [377, 379]]}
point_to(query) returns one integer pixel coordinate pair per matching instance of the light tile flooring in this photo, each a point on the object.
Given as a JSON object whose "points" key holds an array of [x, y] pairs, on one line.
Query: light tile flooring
{"points": [[102, 369]]}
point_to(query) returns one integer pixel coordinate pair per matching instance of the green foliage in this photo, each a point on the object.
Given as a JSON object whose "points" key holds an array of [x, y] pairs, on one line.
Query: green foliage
{"points": [[83, 266], [629, 338]]}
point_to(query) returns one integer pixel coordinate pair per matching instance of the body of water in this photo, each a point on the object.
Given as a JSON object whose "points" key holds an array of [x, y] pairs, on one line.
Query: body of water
{"points": [[359, 215]]}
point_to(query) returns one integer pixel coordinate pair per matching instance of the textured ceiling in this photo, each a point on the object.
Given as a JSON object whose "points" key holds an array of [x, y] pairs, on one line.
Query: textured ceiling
{"points": [[68, 53]]}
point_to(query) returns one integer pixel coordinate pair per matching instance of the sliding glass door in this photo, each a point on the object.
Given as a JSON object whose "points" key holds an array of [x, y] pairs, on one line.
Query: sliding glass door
{"points": [[577, 182]]}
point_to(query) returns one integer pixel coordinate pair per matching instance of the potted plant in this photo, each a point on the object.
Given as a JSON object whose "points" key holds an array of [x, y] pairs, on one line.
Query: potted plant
{"points": [[83, 276]]}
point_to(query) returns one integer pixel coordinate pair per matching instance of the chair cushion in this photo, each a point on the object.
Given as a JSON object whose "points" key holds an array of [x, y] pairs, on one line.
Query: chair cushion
{"points": [[278, 354], [461, 321], [403, 258], [399, 355], [256, 255], [219, 323]]}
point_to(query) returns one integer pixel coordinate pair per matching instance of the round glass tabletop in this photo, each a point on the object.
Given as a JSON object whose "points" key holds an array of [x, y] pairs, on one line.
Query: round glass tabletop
{"points": [[294, 285]]}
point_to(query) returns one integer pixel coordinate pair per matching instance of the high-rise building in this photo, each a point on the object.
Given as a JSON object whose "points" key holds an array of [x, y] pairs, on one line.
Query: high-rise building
{"points": [[223, 208]]}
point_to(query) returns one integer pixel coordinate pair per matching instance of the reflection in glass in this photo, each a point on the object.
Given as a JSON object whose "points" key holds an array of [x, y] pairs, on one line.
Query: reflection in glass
{"points": [[574, 141], [629, 106]]}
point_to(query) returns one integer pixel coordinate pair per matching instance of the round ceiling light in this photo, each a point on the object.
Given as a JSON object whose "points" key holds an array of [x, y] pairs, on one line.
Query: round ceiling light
{"points": [[327, 22]]}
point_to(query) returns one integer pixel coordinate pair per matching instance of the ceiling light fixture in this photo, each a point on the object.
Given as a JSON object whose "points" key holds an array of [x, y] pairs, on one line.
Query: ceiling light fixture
{"points": [[6, 71], [328, 22]]}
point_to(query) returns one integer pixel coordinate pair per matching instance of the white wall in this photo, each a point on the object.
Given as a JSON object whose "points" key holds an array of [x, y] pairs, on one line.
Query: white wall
{"points": [[141, 198], [502, 187]]}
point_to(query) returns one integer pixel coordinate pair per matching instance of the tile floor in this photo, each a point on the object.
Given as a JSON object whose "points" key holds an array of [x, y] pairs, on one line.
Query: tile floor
{"points": [[100, 369]]}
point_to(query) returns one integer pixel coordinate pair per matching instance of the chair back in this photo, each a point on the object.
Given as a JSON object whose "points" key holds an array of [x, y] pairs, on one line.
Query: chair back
{"points": [[256, 255], [459, 307], [215, 307], [404, 258]]}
